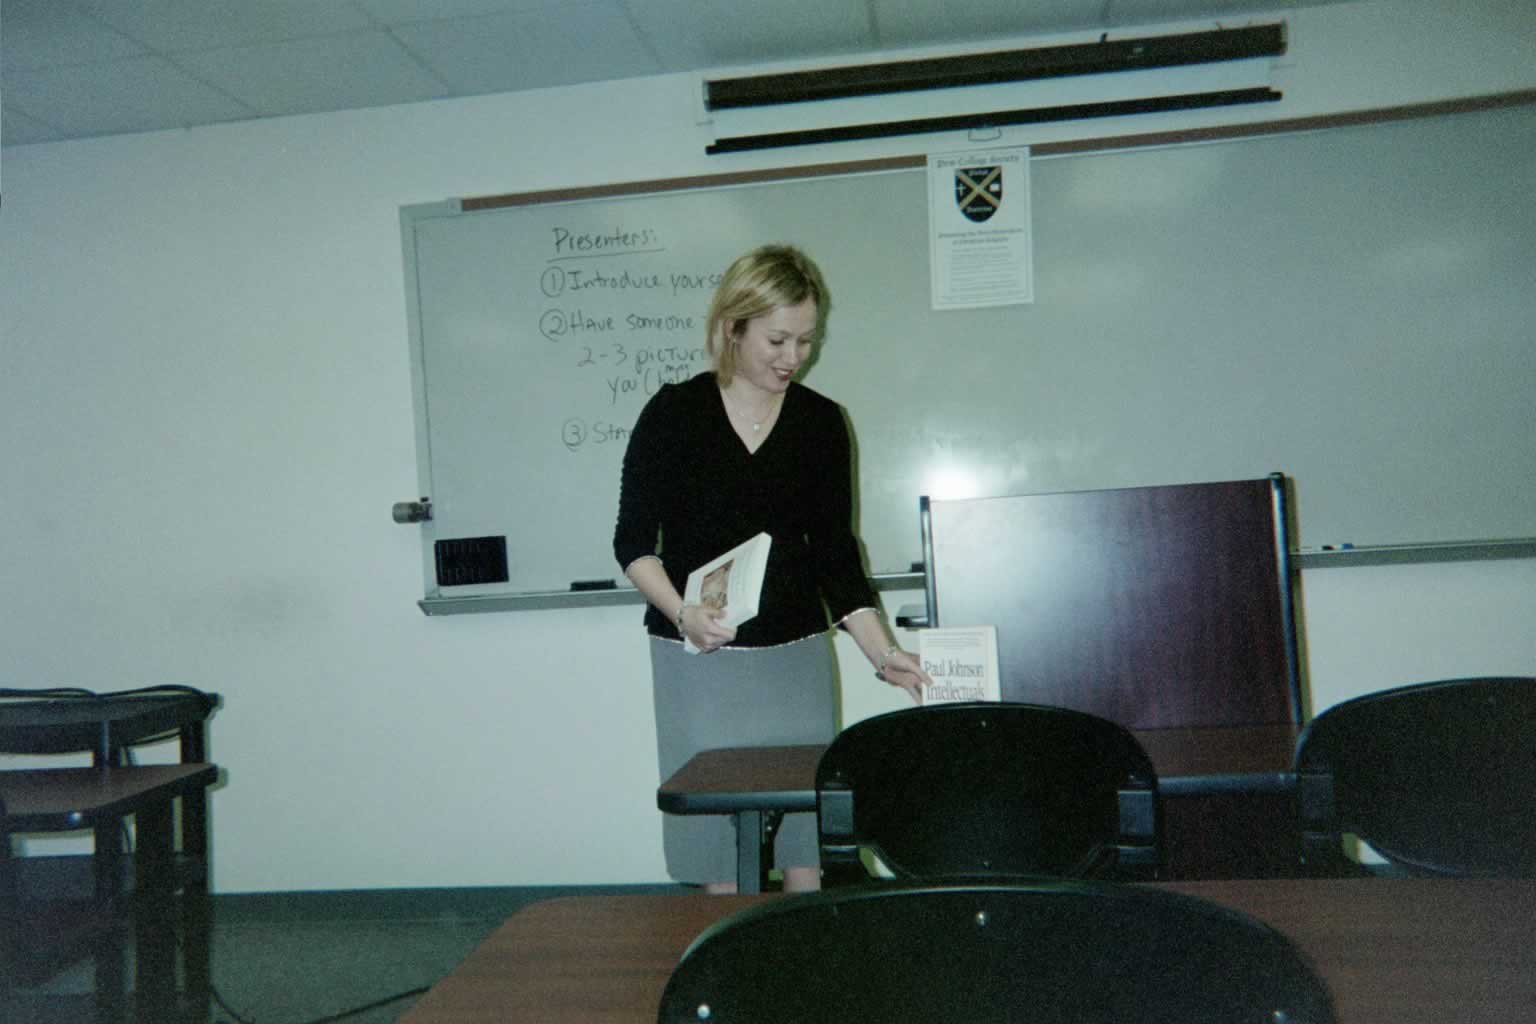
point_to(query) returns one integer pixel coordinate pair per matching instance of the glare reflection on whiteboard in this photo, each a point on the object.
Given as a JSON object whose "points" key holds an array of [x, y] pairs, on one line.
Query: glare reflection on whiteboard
{"points": [[950, 482]]}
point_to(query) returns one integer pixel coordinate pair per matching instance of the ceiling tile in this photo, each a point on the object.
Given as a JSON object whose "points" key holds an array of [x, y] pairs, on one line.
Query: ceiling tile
{"points": [[232, 59], [306, 76], [909, 23], [183, 25], [17, 129], [507, 52], [43, 33], [694, 34], [135, 95], [399, 12]]}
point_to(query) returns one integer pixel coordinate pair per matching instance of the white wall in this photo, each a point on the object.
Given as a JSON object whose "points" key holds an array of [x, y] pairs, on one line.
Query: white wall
{"points": [[205, 406]]}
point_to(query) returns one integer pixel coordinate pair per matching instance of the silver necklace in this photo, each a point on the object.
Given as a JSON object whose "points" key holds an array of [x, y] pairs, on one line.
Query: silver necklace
{"points": [[757, 425]]}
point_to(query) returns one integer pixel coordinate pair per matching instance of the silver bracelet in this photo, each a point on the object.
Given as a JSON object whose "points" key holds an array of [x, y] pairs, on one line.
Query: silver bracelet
{"points": [[885, 659], [678, 622]]}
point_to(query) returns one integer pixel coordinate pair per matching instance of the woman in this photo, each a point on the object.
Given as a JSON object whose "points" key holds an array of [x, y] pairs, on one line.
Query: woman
{"points": [[711, 462]]}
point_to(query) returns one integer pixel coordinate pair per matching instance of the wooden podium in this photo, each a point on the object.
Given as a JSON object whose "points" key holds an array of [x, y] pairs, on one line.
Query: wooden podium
{"points": [[1161, 608]]}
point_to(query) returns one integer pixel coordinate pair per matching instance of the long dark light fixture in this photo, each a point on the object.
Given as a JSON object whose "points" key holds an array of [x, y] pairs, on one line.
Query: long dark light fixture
{"points": [[994, 68], [993, 119]]}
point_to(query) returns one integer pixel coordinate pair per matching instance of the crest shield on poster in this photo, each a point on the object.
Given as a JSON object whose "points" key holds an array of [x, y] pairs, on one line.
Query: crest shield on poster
{"points": [[979, 191]]}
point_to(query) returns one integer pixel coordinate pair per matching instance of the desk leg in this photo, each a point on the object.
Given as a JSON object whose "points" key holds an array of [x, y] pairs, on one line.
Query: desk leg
{"points": [[153, 918], [755, 834], [111, 973], [195, 910], [749, 851], [771, 822]]}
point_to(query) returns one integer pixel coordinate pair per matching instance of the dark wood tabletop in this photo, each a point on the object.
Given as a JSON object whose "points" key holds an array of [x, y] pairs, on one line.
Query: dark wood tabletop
{"points": [[54, 799], [743, 778], [1392, 951], [1209, 760], [97, 723]]}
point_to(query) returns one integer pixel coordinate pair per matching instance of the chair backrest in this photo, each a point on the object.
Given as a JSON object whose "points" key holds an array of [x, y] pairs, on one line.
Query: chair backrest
{"points": [[979, 789], [1439, 778], [1155, 607], [1048, 953]]}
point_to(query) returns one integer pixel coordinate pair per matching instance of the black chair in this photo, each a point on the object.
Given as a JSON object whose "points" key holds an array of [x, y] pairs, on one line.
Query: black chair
{"points": [[987, 789], [1044, 952], [1438, 778]]}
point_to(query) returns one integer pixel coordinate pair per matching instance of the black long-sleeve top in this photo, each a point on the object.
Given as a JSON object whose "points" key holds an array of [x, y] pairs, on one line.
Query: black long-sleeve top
{"points": [[691, 491]]}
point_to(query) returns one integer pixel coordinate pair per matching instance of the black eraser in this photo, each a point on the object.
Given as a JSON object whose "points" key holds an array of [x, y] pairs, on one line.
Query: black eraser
{"points": [[594, 585]]}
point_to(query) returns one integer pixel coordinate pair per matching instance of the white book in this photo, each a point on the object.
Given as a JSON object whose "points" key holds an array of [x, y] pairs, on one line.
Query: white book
{"points": [[961, 661], [732, 582]]}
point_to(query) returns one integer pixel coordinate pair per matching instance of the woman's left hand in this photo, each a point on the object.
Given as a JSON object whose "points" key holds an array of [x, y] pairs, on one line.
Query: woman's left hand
{"points": [[904, 670]]}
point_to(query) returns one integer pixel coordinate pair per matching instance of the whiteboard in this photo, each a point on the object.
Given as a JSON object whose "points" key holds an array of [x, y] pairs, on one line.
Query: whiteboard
{"points": [[1353, 307]]}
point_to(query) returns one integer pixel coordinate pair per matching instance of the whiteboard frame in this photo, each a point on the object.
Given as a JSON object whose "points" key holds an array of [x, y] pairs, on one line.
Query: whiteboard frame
{"points": [[435, 603]]}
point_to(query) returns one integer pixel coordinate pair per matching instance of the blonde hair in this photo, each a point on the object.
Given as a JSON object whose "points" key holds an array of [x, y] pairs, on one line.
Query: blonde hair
{"points": [[756, 284]]}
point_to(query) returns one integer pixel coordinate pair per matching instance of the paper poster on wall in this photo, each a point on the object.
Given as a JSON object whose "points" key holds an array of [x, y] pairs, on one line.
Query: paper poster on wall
{"points": [[978, 228]]}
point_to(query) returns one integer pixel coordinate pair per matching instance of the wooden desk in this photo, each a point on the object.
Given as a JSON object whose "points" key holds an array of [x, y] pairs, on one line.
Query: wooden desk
{"points": [[758, 785], [1392, 951], [108, 725], [66, 799]]}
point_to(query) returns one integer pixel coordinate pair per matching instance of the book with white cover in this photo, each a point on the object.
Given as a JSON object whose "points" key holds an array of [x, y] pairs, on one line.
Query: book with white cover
{"points": [[961, 661], [733, 582]]}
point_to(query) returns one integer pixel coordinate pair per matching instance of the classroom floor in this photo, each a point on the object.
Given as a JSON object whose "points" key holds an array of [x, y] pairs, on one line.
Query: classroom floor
{"points": [[305, 958]]}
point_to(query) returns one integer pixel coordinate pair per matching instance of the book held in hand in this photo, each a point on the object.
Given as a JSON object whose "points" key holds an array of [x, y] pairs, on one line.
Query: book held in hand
{"points": [[962, 661], [733, 582]]}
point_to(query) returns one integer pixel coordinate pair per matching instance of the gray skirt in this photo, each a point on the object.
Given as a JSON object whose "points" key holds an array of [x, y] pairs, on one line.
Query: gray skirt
{"points": [[738, 697]]}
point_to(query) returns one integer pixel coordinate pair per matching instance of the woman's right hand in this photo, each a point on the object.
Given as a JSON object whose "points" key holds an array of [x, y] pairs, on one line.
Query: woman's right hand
{"points": [[699, 624]]}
